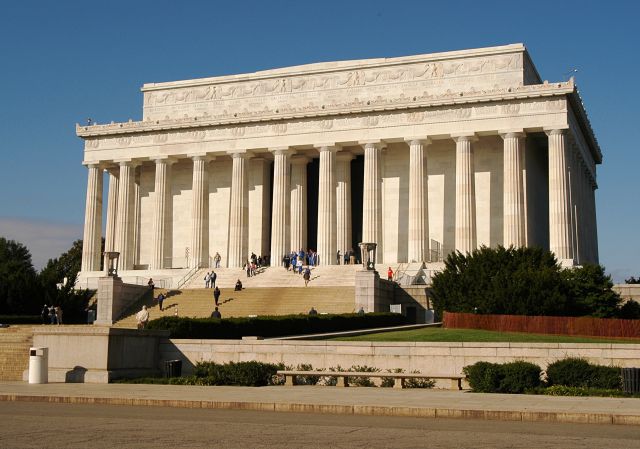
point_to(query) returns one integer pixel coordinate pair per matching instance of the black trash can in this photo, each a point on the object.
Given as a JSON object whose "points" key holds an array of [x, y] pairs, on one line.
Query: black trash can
{"points": [[172, 368], [631, 380]]}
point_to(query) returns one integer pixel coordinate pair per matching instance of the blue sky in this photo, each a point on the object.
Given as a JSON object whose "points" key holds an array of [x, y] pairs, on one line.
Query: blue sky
{"points": [[61, 62]]}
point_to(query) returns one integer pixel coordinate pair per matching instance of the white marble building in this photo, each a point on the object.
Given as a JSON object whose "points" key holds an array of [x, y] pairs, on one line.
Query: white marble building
{"points": [[421, 154]]}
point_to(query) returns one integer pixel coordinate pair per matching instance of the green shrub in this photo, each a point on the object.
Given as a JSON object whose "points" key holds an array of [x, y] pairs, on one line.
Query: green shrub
{"points": [[562, 390], [362, 381], [306, 380], [272, 326], [514, 377], [248, 374], [576, 372]]}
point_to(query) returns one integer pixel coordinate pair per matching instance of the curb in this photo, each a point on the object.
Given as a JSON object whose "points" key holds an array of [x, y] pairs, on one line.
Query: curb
{"points": [[370, 410]]}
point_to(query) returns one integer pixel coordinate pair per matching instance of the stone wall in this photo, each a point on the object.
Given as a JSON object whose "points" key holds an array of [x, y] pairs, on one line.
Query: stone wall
{"points": [[432, 358], [628, 291]]}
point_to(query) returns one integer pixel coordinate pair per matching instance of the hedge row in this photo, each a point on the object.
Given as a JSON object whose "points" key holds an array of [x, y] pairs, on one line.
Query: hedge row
{"points": [[562, 375], [273, 326]]}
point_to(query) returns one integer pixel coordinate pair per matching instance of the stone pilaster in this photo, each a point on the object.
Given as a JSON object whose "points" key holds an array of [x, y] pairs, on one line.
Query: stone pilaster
{"points": [[161, 191], [125, 221], [327, 206], [560, 226], [199, 251], [299, 202], [91, 244], [239, 212], [418, 238], [372, 196], [280, 243], [343, 202], [465, 232], [112, 208], [513, 191]]}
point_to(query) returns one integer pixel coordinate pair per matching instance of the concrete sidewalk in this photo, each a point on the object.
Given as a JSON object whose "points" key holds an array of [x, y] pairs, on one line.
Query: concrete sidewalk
{"points": [[353, 400]]}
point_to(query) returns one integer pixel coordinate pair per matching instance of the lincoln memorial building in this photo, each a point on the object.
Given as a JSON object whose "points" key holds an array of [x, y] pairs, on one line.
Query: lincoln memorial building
{"points": [[423, 155]]}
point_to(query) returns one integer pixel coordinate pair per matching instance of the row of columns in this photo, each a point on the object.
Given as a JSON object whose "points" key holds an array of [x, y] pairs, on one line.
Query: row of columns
{"points": [[571, 201]]}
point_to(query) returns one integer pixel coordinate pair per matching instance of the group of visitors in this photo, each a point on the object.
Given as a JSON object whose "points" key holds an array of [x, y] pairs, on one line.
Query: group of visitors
{"points": [[51, 314], [295, 260], [349, 257], [210, 279]]}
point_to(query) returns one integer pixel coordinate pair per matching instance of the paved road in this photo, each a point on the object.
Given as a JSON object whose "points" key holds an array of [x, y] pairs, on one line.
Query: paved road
{"points": [[49, 426]]}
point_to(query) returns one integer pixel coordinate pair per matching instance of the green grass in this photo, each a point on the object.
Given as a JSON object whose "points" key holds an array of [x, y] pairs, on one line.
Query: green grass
{"points": [[476, 335]]}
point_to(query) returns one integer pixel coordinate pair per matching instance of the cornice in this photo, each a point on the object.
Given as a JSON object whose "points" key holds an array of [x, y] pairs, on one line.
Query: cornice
{"points": [[335, 66], [356, 106]]}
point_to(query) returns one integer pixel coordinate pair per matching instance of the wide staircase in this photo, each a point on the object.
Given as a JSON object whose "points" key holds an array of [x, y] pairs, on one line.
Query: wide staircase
{"points": [[250, 301], [15, 342]]}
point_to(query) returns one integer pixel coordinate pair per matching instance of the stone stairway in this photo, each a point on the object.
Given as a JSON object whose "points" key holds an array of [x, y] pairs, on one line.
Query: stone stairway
{"points": [[323, 276], [15, 342], [250, 301]]}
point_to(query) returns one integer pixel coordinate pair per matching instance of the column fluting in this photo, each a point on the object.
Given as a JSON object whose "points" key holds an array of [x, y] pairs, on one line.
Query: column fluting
{"points": [[465, 232], [299, 202], [372, 196], [560, 226], [513, 191], [161, 190], [199, 251], [239, 212], [418, 238], [124, 222], [280, 214], [343, 202], [112, 208], [327, 206], [92, 240]]}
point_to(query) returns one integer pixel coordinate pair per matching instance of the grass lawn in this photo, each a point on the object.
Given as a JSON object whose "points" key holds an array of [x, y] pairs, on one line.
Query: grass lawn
{"points": [[475, 335]]}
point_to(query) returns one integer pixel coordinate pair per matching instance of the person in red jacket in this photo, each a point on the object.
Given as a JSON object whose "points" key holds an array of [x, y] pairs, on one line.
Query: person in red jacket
{"points": [[390, 274]]}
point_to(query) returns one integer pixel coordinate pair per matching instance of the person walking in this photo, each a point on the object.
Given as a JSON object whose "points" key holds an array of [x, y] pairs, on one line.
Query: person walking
{"points": [[213, 278], [44, 314], [52, 314], [216, 259], [207, 280], [389, 274], [216, 314], [160, 301], [306, 276], [58, 312], [142, 317], [216, 295]]}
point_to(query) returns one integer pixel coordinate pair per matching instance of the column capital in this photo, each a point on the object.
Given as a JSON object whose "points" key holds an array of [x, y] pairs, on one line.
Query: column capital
{"points": [[323, 148], [201, 157], [92, 164], [424, 140], [128, 163], [165, 160], [512, 133], [464, 137], [282, 151], [299, 159], [344, 156], [555, 131], [377, 144], [244, 154]]}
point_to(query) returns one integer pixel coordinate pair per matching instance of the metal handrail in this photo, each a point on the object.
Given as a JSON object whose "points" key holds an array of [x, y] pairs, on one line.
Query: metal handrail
{"points": [[187, 277]]}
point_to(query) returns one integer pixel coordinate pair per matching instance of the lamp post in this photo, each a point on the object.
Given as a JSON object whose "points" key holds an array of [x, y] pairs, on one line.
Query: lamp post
{"points": [[111, 262]]}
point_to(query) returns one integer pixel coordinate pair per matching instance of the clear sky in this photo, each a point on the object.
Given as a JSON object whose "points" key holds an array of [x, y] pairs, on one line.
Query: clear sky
{"points": [[64, 61]]}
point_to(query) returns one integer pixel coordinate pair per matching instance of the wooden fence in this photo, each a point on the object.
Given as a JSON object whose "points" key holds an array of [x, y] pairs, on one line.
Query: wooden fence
{"points": [[557, 325]]}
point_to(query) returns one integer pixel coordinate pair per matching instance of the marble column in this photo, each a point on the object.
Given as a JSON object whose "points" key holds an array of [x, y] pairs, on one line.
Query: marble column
{"points": [[343, 202], [465, 232], [560, 226], [280, 211], [136, 218], [327, 206], [199, 251], [418, 238], [372, 196], [112, 208], [92, 240], [124, 222], [513, 190], [161, 191], [299, 202], [239, 212]]}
